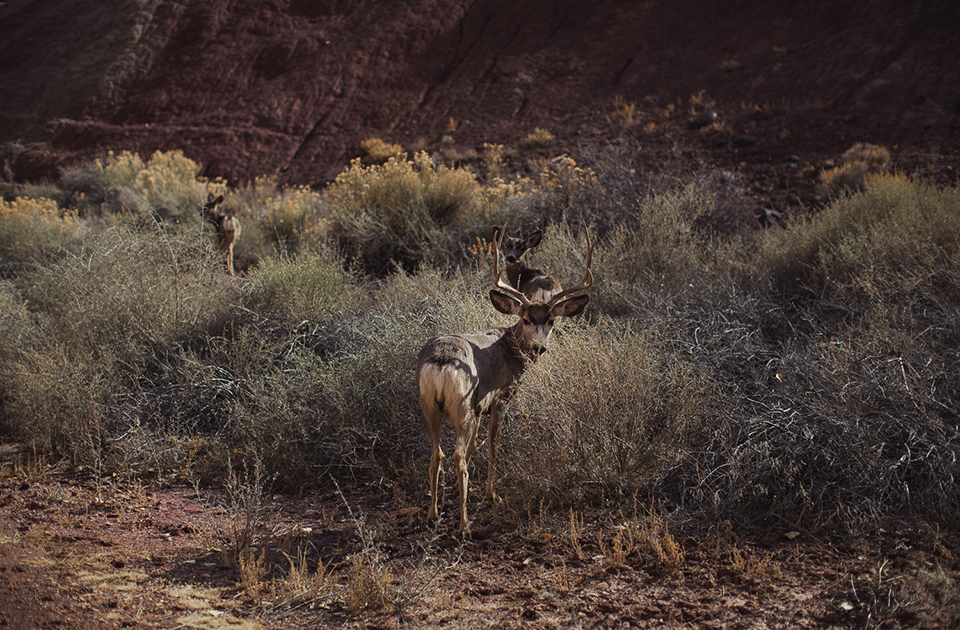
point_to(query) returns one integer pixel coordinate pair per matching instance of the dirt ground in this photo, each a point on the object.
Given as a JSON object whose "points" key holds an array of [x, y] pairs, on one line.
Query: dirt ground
{"points": [[82, 551]]}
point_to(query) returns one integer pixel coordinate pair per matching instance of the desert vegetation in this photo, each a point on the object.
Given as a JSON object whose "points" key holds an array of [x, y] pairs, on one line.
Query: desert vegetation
{"points": [[798, 378]]}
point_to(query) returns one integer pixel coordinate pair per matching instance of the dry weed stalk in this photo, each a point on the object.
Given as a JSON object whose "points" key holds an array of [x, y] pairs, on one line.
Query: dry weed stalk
{"points": [[751, 566], [369, 586], [576, 530], [655, 532], [252, 567], [563, 580], [301, 585], [620, 547]]}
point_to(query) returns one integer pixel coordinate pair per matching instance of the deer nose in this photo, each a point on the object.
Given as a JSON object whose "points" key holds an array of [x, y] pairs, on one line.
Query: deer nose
{"points": [[511, 258]]}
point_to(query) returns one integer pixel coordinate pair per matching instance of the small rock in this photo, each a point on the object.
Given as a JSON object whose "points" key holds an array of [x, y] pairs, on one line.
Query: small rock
{"points": [[703, 119], [743, 140], [768, 217], [793, 159]]}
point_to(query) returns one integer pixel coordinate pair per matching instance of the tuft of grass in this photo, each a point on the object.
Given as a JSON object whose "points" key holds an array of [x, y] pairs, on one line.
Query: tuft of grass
{"points": [[538, 138], [493, 160], [379, 151], [857, 164], [624, 112]]}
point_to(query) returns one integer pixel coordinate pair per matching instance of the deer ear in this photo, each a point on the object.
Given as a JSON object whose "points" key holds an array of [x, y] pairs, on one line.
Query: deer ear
{"points": [[571, 306], [209, 197], [218, 200], [533, 239], [504, 303]]}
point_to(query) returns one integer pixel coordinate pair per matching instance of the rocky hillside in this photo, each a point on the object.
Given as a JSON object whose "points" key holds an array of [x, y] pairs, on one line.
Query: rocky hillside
{"points": [[290, 88]]}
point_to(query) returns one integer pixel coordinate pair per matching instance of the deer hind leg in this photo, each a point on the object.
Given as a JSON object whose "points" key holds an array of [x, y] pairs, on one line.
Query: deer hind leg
{"points": [[230, 270], [432, 418], [466, 444]]}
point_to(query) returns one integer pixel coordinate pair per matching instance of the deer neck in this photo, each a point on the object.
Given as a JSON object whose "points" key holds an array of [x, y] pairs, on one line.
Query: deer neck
{"points": [[512, 272], [517, 348]]}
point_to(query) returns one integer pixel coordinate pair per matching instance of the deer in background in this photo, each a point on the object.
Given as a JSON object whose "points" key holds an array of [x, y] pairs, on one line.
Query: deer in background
{"points": [[227, 226], [460, 377], [533, 283]]}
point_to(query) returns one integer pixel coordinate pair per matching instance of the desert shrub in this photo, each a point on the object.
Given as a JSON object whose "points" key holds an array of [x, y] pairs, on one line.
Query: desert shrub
{"points": [[101, 314], [603, 412], [33, 230], [312, 287], [403, 212], [40, 191], [124, 286], [370, 413], [167, 186], [857, 163], [657, 252], [18, 331], [293, 219], [846, 433], [895, 229], [379, 151]]}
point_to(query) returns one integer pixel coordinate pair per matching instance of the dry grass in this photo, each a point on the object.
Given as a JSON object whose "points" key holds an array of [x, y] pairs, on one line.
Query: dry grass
{"points": [[538, 138], [856, 165], [379, 151]]}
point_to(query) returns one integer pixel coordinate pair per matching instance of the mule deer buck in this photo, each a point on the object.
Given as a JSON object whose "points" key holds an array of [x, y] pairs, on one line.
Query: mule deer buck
{"points": [[227, 226], [533, 283], [460, 377]]}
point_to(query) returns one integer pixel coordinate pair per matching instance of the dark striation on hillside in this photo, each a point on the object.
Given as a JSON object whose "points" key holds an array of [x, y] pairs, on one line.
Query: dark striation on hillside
{"points": [[290, 88]]}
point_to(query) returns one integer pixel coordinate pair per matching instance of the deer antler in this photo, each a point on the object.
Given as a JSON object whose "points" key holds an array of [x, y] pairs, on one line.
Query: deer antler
{"points": [[587, 275], [497, 280]]}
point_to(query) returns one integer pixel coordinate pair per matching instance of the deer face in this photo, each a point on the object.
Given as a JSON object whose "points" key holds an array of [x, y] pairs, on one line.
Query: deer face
{"points": [[514, 248], [209, 209], [537, 318]]}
